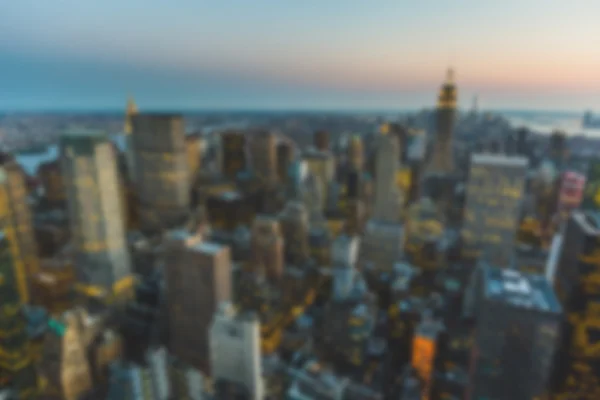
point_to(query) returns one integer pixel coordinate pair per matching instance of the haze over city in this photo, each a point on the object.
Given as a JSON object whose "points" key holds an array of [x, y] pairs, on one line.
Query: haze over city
{"points": [[267, 54]]}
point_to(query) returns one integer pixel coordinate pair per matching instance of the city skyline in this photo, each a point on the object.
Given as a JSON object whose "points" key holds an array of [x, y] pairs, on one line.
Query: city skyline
{"points": [[268, 55]]}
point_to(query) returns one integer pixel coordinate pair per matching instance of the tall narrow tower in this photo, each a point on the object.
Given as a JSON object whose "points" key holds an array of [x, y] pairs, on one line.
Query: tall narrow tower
{"points": [[96, 217], [16, 364], [442, 157], [15, 221], [130, 111]]}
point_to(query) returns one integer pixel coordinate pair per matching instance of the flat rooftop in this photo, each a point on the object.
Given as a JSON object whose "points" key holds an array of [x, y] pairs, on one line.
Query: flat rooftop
{"points": [[520, 290], [499, 160]]}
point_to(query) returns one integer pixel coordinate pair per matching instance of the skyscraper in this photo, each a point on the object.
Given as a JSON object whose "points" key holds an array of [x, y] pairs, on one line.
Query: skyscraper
{"points": [[198, 278], [442, 158], [52, 181], [576, 283], [321, 140], [15, 221], [235, 355], [162, 172], [16, 364], [518, 321], [233, 157], [388, 199], [264, 156], [295, 226], [103, 264], [493, 202], [267, 247]]}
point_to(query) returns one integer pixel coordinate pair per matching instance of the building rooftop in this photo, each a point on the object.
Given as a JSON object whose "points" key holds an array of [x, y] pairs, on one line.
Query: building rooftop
{"points": [[207, 247], [520, 290], [499, 160]]}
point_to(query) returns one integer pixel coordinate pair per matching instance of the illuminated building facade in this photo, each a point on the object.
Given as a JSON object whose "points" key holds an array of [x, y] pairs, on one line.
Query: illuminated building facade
{"points": [[493, 202], [295, 227], [16, 222], [102, 263], [16, 364], [424, 353], [52, 181], [520, 313], [64, 361], [570, 194], [161, 170], [577, 284], [424, 225], [442, 160], [382, 245], [198, 278], [267, 247], [235, 354]]}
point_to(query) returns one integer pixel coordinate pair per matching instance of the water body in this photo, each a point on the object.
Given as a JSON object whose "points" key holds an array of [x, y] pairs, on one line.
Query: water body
{"points": [[546, 122]]}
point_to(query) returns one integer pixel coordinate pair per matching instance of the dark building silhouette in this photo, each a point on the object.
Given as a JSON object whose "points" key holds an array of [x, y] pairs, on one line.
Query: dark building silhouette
{"points": [[442, 157]]}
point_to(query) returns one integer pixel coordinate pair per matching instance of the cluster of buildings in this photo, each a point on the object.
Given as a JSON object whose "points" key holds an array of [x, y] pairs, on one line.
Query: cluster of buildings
{"points": [[387, 266]]}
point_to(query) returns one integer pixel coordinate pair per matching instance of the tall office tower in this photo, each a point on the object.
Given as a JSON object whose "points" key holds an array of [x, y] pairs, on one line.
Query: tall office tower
{"points": [[424, 226], [103, 264], [130, 111], [263, 151], [424, 351], [267, 247], [16, 365], [233, 157], [285, 158], [518, 322], [16, 222], [321, 140], [198, 278], [356, 156], [442, 158], [235, 355], [52, 182], [295, 227], [321, 164], [162, 174], [493, 202], [64, 361], [193, 148], [388, 199], [570, 193], [576, 283]]}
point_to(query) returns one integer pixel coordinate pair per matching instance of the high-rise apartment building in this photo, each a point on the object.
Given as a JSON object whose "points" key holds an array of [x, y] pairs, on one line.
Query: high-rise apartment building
{"points": [[16, 363], [493, 203], [235, 354], [16, 222], [161, 170], [356, 156], [103, 264], [193, 149], [517, 329], [267, 247], [442, 160], [285, 158], [321, 164], [198, 278]]}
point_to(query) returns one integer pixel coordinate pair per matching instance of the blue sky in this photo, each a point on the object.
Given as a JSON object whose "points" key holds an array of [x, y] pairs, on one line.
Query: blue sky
{"points": [[64, 54]]}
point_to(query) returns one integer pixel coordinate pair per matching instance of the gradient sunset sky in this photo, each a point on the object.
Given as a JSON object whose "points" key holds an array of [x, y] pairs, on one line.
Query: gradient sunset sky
{"points": [[309, 54]]}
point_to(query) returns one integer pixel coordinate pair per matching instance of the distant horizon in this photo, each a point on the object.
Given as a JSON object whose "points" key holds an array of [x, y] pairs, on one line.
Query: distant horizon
{"points": [[309, 55], [300, 110]]}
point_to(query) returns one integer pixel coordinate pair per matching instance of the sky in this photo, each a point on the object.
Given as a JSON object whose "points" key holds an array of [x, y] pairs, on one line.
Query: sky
{"points": [[309, 54]]}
